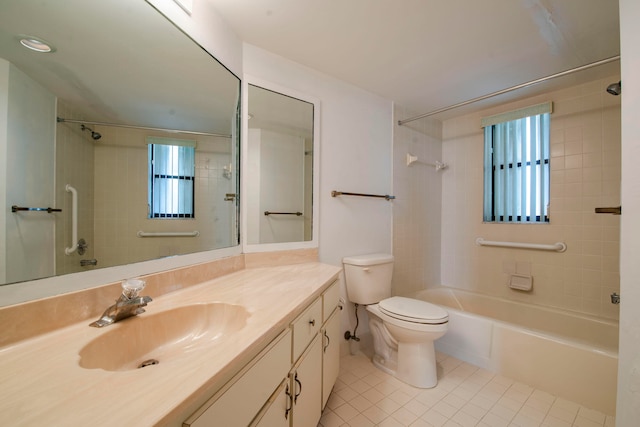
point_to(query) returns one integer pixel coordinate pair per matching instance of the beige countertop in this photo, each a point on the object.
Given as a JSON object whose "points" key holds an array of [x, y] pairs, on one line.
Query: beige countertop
{"points": [[42, 382]]}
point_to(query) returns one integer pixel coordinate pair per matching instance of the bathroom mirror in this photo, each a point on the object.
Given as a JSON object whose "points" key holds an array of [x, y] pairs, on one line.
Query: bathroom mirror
{"points": [[75, 126], [281, 151]]}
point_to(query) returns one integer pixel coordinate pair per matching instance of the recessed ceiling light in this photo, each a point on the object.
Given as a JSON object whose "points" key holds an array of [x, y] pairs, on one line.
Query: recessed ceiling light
{"points": [[34, 43]]}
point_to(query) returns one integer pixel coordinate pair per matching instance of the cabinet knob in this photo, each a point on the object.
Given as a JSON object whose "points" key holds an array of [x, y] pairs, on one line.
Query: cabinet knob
{"points": [[312, 322]]}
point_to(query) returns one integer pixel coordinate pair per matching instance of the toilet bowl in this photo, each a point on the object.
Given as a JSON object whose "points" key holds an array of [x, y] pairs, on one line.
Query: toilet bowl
{"points": [[404, 348], [403, 329]]}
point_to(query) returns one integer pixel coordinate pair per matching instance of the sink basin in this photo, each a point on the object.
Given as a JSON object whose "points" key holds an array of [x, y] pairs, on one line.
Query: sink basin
{"points": [[153, 338]]}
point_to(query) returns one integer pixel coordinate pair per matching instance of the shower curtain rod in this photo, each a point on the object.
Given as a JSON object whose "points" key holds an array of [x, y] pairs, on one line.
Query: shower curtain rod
{"points": [[511, 89], [190, 132]]}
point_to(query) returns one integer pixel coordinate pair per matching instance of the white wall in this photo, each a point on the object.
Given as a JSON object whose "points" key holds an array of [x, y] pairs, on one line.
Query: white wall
{"points": [[355, 156], [628, 406]]}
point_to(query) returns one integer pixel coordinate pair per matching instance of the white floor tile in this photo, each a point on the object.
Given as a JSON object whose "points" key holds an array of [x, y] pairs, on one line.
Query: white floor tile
{"points": [[465, 396]]}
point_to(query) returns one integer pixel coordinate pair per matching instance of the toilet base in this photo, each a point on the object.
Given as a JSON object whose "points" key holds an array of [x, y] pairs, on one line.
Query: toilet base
{"points": [[417, 364], [385, 365], [412, 362]]}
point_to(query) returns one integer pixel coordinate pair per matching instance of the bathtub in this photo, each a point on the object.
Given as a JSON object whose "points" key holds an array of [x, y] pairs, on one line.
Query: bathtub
{"points": [[570, 355]]}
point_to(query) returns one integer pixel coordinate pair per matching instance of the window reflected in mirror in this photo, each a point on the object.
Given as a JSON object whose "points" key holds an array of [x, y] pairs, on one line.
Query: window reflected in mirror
{"points": [[172, 175]]}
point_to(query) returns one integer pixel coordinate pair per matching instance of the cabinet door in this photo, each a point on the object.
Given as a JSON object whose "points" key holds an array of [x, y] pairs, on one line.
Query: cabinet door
{"points": [[330, 354], [306, 385], [276, 412], [330, 300]]}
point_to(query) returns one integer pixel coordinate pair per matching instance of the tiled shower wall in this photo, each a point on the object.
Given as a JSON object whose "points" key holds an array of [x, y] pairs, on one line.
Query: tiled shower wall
{"points": [[121, 208], [417, 207], [74, 166], [585, 174]]}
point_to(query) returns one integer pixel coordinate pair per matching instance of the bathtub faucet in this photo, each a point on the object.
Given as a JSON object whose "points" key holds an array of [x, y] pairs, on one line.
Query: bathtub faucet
{"points": [[615, 298], [127, 305]]}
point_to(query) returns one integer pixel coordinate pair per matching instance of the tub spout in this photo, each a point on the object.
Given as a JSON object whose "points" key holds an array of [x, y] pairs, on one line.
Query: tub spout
{"points": [[615, 298]]}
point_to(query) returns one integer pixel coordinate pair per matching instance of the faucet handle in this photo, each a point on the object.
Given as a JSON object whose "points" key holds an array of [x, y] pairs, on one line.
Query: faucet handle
{"points": [[131, 287]]}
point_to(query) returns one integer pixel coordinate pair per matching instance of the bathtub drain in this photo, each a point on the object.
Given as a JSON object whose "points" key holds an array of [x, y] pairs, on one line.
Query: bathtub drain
{"points": [[148, 362]]}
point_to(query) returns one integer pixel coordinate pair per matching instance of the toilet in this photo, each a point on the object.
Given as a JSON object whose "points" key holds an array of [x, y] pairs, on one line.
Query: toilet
{"points": [[403, 329]]}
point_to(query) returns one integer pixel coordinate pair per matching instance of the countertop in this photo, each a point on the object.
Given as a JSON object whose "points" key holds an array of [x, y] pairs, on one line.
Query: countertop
{"points": [[43, 383]]}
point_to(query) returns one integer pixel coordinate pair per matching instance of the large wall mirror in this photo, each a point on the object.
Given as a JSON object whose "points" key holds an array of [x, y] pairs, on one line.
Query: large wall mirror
{"points": [[128, 130], [281, 157]]}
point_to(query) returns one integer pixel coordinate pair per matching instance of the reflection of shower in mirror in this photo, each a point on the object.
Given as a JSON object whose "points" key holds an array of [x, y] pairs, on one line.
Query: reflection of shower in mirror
{"points": [[227, 171], [414, 159]]}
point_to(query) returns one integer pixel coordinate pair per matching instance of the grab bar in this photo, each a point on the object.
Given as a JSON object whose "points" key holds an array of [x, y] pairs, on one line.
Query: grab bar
{"points": [[558, 247], [74, 220], [267, 213], [168, 234], [15, 208], [342, 193]]}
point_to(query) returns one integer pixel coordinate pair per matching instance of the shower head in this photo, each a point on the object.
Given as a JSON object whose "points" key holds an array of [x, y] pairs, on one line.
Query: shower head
{"points": [[95, 135], [615, 88]]}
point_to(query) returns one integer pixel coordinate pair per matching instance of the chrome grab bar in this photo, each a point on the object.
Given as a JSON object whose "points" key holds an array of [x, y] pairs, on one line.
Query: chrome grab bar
{"points": [[342, 193], [267, 213], [15, 208]]}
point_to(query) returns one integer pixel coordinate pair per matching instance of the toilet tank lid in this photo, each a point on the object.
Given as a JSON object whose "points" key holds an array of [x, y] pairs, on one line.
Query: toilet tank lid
{"points": [[413, 309], [368, 259]]}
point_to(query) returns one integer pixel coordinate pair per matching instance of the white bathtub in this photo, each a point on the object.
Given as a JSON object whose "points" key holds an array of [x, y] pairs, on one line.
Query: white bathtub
{"points": [[567, 354]]}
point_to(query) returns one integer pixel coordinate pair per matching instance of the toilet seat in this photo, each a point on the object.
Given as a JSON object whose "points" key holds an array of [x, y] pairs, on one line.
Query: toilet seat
{"points": [[413, 310]]}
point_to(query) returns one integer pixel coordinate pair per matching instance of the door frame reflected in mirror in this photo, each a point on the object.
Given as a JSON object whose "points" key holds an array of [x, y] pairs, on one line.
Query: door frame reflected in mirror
{"points": [[246, 168]]}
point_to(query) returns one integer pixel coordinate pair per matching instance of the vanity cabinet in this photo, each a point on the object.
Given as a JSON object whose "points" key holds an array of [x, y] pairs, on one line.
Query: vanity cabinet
{"points": [[330, 334], [277, 411], [238, 402], [331, 338], [288, 383], [306, 386]]}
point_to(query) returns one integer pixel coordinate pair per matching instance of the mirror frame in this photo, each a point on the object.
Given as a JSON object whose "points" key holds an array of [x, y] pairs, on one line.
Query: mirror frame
{"points": [[244, 164]]}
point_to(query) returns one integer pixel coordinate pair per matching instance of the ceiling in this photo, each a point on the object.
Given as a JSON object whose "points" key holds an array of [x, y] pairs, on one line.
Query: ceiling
{"points": [[429, 54]]}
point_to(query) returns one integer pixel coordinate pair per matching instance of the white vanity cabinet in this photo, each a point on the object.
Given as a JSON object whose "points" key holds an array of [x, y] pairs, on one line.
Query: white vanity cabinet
{"points": [[306, 386], [238, 402], [330, 333], [289, 382], [277, 411]]}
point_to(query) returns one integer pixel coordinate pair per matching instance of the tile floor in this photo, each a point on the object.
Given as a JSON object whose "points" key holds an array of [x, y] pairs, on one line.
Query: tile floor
{"points": [[465, 396]]}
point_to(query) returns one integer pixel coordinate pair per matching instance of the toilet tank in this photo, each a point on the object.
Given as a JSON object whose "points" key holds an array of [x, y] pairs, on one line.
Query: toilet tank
{"points": [[368, 277]]}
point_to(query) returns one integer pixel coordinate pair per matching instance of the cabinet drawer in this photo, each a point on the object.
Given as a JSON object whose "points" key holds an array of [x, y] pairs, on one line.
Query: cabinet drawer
{"points": [[242, 398], [330, 300], [305, 327]]}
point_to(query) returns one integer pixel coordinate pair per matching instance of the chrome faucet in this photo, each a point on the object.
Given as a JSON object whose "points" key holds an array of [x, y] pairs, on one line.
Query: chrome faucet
{"points": [[129, 304]]}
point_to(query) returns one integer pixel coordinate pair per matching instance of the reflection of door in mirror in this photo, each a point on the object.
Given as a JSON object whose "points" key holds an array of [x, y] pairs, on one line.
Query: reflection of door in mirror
{"points": [[280, 155], [28, 156]]}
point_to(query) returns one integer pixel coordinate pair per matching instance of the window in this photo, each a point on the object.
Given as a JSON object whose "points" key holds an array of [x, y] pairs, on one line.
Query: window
{"points": [[171, 178], [516, 166]]}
